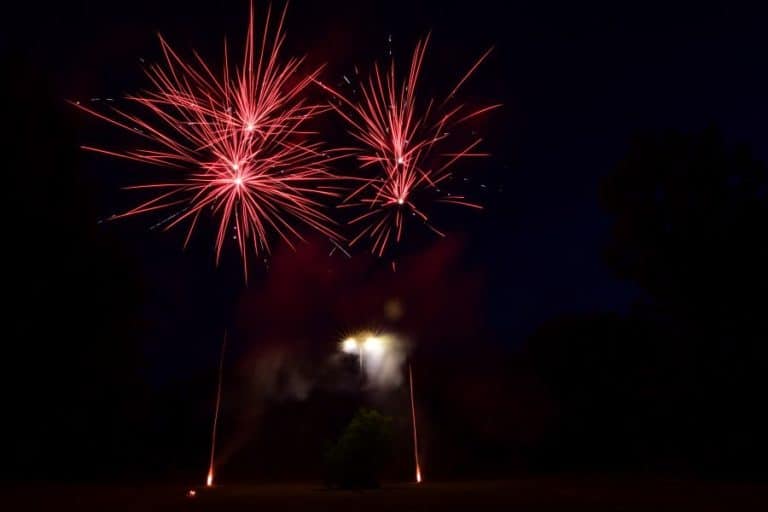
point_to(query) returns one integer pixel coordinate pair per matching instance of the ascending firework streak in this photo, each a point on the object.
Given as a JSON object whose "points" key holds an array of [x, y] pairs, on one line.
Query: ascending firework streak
{"points": [[415, 435], [408, 146], [209, 477], [235, 144]]}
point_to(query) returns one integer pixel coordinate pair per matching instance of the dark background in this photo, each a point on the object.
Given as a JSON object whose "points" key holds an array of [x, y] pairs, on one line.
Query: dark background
{"points": [[606, 312]]}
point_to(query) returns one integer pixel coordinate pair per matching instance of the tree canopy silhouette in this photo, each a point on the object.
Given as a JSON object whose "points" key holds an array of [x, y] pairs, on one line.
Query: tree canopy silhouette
{"points": [[678, 381]]}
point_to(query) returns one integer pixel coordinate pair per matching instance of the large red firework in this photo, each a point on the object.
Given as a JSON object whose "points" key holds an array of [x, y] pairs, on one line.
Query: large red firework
{"points": [[237, 141], [408, 146]]}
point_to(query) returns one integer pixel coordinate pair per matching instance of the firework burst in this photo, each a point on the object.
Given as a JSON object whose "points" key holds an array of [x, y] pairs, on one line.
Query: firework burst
{"points": [[237, 142], [408, 147]]}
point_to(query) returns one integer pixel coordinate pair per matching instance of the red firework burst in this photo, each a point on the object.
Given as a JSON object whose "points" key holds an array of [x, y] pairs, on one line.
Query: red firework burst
{"points": [[237, 140], [402, 142]]}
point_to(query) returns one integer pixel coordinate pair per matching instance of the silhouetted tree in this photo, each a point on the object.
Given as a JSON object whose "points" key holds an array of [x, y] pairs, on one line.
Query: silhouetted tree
{"points": [[676, 383], [690, 222], [691, 217]]}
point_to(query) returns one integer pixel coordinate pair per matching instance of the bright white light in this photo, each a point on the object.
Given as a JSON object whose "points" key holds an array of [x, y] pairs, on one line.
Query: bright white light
{"points": [[380, 357], [349, 345], [400, 201], [238, 181], [235, 166], [400, 161], [249, 127], [373, 345]]}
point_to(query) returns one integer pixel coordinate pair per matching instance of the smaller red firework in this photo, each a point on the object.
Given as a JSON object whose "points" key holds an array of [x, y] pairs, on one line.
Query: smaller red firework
{"points": [[408, 146]]}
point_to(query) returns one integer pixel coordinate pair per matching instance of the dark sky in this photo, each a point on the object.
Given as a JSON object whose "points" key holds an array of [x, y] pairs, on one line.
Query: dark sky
{"points": [[577, 80]]}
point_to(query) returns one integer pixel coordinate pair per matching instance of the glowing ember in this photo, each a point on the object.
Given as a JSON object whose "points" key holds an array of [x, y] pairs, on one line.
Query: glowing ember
{"points": [[408, 146], [236, 142], [209, 478], [191, 493]]}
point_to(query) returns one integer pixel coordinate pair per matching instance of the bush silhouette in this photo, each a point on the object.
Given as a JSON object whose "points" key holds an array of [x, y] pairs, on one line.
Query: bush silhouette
{"points": [[355, 461]]}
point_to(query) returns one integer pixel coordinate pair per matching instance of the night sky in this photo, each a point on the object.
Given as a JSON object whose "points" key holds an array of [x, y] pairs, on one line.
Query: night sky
{"points": [[106, 315]]}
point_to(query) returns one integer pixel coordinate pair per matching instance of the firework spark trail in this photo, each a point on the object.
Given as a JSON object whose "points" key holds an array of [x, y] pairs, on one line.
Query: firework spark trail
{"points": [[237, 142], [406, 144], [415, 434], [209, 477]]}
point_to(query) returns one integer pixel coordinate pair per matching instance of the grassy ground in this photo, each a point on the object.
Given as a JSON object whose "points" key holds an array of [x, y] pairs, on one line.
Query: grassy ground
{"points": [[539, 494]]}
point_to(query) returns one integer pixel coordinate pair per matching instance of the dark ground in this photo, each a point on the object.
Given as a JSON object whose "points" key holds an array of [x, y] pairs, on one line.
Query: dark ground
{"points": [[593, 494]]}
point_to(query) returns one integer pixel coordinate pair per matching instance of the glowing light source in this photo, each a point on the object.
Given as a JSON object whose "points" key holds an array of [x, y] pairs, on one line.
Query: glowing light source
{"points": [[238, 181], [373, 345], [367, 346], [349, 345], [209, 478], [191, 493]]}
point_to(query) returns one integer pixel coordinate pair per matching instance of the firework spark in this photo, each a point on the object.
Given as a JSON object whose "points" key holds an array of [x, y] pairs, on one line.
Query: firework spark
{"points": [[415, 434], [209, 476], [236, 141], [408, 147]]}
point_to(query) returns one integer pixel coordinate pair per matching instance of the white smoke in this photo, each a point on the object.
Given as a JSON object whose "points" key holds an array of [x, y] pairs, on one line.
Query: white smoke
{"points": [[281, 374], [381, 358], [276, 375], [383, 366]]}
